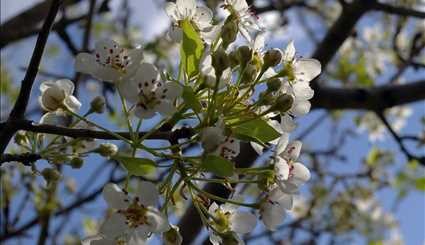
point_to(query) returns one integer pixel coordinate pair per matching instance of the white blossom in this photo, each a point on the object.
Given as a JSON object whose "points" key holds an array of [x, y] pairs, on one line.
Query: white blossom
{"points": [[58, 95], [148, 93], [199, 16], [134, 218], [214, 140], [110, 62], [230, 220], [246, 19], [274, 207], [290, 175]]}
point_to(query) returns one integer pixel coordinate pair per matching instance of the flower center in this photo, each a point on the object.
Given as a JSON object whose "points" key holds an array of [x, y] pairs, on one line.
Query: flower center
{"points": [[222, 220], [135, 214], [115, 58]]}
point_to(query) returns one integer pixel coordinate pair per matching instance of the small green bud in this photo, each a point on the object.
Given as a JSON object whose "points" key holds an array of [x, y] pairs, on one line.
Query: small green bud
{"points": [[50, 174], [272, 58], [250, 73], [229, 32], [21, 138], [230, 239], [172, 236], [244, 54], [220, 61], [283, 103], [97, 105], [233, 58], [77, 162], [107, 149], [265, 98], [273, 85]]}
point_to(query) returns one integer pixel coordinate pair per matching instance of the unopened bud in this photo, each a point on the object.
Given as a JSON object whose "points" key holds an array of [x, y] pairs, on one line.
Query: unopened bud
{"points": [[50, 174], [250, 73], [220, 61], [98, 104], [233, 58], [272, 58], [172, 236], [21, 138], [230, 239], [229, 31], [76, 162], [244, 54], [273, 84], [265, 98], [107, 149], [283, 103]]}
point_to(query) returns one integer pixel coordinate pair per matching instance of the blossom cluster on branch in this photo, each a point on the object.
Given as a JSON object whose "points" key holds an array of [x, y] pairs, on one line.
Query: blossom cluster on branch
{"points": [[229, 89]]}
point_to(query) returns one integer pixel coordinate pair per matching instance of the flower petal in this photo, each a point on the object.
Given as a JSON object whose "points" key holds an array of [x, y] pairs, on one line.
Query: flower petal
{"points": [[300, 173], [148, 193], [114, 226], [72, 103], [114, 196], [281, 169], [243, 222], [66, 85]]}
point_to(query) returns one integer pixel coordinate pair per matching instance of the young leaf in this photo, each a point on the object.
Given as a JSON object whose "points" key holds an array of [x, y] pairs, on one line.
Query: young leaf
{"points": [[191, 49], [218, 165], [136, 166], [190, 99], [257, 130]]}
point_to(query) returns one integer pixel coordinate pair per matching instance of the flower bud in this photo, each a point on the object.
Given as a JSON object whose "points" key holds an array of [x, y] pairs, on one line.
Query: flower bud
{"points": [[283, 103], [172, 236], [50, 174], [97, 105], [76, 162], [244, 54], [273, 85], [230, 239], [21, 138], [220, 61], [265, 98], [233, 58], [250, 73], [229, 31], [107, 149], [272, 58]]}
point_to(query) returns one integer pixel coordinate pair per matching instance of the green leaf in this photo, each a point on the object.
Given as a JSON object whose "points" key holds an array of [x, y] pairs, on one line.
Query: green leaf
{"points": [[420, 184], [257, 130], [190, 99], [136, 166], [191, 49], [218, 165]]}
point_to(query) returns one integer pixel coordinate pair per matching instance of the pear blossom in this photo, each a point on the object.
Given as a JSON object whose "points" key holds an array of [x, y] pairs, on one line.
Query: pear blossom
{"points": [[290, 175], [200, 16], [58, 95], [246, 19], [214, 140], [148, 93], [172, 236], [134, 218], [274, 207], [299, 70], [230, 220], [110, 62]]}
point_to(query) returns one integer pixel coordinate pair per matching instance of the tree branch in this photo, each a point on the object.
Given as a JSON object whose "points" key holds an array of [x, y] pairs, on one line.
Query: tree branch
{"points": [[24, 94], [377, 98], [25, 158], [87, 133], [398, 10]]}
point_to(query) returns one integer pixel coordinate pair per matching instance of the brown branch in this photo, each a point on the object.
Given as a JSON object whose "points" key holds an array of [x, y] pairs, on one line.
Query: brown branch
{"points": [[25, 91], [377, 98], [25, 158], [398, 10], [399, 140], [87, 133]]}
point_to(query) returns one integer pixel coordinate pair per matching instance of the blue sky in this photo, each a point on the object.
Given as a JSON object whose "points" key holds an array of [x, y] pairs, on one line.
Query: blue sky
{"points": [[411, 212]]}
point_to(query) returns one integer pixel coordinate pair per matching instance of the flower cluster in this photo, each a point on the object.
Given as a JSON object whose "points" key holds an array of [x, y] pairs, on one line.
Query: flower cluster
{"points": [[233, 95]]}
